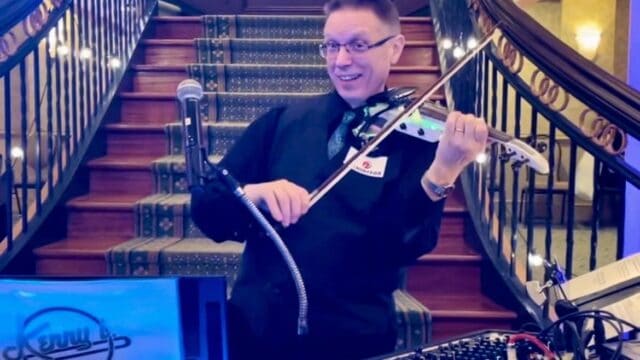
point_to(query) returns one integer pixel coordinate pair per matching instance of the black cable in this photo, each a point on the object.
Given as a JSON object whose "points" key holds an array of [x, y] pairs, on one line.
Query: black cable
{"points": [[530, 327], [615, 322]]}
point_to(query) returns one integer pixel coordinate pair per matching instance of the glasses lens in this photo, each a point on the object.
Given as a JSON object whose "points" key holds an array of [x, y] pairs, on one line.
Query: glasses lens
{"points": [[323, 50]]}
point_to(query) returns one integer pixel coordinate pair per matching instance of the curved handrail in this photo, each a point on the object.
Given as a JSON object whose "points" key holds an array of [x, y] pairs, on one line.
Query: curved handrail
{"points": [[14, 11], [527, 64], [25, 34], [73, 54], [606, 94]]}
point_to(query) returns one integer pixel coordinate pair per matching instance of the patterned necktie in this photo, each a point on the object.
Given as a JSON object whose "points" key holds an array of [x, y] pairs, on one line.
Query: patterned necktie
{"points": [[337, 139]]}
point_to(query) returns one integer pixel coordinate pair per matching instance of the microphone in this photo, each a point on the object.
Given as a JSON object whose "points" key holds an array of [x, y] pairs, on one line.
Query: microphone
{"points": [[189, 93], [200, 171]]}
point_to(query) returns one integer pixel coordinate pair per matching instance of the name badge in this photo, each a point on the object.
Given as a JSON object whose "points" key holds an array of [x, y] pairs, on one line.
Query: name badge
{"points": [[368, 166]]}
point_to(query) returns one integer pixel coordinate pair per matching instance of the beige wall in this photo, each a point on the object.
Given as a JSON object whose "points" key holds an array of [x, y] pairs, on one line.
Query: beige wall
{"points": [[564, 18]]}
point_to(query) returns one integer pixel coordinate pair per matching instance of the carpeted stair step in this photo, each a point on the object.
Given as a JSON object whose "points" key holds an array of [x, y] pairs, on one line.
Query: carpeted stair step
{"points": [[162, 108], [261, 51], [294, 27], [263, 78], [169, 174], [288, 51], [176, 256], [263, 26], [219, 136], [165, 215], [190, 27]]}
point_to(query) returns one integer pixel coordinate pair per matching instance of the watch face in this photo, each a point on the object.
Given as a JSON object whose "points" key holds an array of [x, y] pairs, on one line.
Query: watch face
{"points": [[441, 191]]}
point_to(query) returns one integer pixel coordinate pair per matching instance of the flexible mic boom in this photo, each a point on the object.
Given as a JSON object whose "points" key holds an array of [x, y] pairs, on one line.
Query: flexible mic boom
{"points": [[200, 171], [189, 94]]}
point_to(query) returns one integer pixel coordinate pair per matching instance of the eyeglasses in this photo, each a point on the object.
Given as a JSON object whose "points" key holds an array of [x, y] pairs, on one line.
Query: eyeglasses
{"points": [[332, 48]]}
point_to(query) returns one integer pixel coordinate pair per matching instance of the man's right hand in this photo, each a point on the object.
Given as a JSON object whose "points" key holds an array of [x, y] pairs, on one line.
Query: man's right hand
{"points": [[286, 201]]}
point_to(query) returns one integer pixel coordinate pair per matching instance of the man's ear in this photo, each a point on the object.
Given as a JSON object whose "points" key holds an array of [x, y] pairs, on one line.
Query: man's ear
{"points": [[397, 45]]}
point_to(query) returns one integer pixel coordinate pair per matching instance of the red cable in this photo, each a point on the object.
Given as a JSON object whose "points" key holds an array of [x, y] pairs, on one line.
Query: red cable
{"points": [[531, 338]]}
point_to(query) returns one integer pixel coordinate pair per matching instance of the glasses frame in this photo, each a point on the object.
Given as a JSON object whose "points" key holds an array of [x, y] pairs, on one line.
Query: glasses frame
{"points": [[348, 46]]}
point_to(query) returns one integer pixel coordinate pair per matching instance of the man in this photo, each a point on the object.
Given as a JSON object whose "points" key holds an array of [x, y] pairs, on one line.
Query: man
{"points": [[351, 245]]}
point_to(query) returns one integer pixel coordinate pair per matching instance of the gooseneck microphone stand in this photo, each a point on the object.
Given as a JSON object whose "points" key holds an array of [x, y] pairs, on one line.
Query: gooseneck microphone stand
{"points": [[200, 171]]}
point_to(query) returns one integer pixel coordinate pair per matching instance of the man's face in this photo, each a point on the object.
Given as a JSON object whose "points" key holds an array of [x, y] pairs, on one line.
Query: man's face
{"points": [[359, 75]]}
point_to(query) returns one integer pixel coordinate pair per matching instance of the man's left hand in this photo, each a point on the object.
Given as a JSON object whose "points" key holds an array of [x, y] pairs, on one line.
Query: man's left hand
{"points": [[464, 137]]}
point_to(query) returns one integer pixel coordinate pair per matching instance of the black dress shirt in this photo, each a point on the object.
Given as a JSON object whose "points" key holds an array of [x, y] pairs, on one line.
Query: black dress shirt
{"points": [[350, 246]]}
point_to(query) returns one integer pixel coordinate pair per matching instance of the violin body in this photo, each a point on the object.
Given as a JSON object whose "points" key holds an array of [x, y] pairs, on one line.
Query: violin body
{"points": [[428, 124]]}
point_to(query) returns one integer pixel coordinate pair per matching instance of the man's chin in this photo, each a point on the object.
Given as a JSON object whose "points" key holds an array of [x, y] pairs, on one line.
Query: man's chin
{"points": [[353, 98]]}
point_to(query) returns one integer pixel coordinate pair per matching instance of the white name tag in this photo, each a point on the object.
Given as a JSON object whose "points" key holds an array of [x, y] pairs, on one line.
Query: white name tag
{"points": [[368, 166]]}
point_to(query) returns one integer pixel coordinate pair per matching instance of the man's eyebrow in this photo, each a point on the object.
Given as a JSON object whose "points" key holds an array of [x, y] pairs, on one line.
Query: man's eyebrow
{"points": [[354, 37]]}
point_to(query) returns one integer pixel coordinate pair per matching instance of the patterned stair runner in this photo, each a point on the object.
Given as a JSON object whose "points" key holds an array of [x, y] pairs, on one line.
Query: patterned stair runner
{"points": [[261, 27], [258, 51], [261, 78]]}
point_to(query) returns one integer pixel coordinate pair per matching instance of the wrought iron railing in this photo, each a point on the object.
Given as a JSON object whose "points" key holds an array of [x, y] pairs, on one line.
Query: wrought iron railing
{"points": [[60, 68], [532, 86]]}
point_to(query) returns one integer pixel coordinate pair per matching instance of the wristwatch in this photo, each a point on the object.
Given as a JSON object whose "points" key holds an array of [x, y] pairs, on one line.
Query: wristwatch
{"points": [[442, 191]]}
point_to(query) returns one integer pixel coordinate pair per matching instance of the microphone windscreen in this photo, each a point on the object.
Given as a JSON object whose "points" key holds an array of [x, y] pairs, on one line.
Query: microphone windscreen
{"points": [[189, 89]]}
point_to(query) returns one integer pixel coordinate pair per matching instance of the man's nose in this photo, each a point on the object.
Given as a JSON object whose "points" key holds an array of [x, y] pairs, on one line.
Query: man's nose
{"points": [[343, 57]]}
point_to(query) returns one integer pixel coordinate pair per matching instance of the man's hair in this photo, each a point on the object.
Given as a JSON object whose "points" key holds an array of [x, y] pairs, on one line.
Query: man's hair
{"points": [[385, 10]]}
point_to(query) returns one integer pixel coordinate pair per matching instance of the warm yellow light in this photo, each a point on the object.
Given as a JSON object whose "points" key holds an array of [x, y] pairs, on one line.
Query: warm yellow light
{"points": [[115, 63], [63, 50], [458, 52], [481, 158], [472, 43], [536, 260], [17, 153], [85, 53], [588, 40]]}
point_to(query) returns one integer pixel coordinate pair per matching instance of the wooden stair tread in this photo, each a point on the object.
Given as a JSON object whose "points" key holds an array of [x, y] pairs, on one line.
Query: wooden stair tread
{"points": [[446, 258], [456, 202], [182, 67], [161, 95], [112, 202], [197, 19], [134, 127], [70, 247], [147, 95], [456, 306], [122, 162], [188, 42], [167, 18], [167, 42]]}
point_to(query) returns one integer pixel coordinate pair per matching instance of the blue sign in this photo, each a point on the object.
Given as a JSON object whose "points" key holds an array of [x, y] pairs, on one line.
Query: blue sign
{"points": [[90, 319]]}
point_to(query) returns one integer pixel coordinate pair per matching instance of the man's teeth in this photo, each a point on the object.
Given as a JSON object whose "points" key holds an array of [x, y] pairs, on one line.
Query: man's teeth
{"points": [[348, 77]]}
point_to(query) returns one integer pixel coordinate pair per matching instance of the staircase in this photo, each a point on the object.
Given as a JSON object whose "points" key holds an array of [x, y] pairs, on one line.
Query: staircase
{"points": [[134, 219]]}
